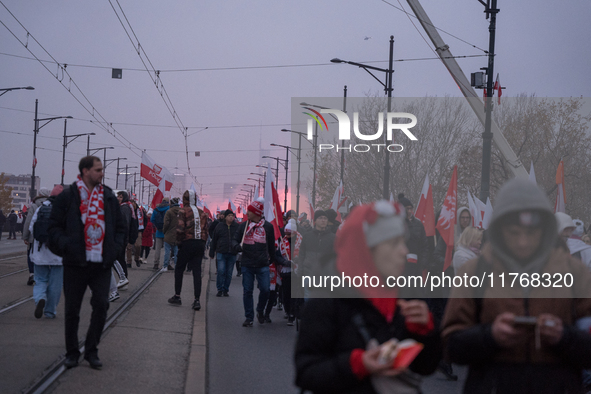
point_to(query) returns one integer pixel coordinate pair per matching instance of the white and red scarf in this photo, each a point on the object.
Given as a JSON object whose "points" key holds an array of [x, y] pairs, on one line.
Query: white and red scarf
{"points": [[131, 208], [285, 247], [140, 218], [92, 210], [255, 233]]}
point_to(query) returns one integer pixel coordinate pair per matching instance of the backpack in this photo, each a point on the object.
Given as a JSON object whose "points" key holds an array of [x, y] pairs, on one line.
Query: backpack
{"points": [[158, 220], [40, 233]]}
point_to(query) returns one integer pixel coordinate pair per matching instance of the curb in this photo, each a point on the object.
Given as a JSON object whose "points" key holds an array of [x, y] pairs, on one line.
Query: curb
{"points": [[197, 370]]}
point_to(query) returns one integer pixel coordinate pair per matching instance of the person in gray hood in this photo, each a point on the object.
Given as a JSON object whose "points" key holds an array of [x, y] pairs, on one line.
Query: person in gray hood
{"points": [[520, 336]]}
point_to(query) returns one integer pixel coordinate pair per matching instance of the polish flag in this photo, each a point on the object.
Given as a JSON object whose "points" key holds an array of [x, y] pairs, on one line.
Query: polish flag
{"points": [[272, 208], [561, 194], [231, 206], [206, 210], [447, 218], [159, 195], [337, 200], [424, 211], [154, 173], [34, 162], [497, 87]]}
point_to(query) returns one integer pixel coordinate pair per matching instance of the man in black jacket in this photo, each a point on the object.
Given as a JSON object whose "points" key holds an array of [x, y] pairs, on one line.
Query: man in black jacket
{"points": [[416, 243], [221, 247], [86, 229], [255, 238]]}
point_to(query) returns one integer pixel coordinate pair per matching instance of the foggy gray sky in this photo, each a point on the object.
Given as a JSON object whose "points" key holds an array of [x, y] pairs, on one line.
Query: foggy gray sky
{"points": [[204, 49]]}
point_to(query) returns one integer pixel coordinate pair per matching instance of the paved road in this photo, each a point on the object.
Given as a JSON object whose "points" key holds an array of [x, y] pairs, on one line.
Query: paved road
{"points": [[260, 359]]}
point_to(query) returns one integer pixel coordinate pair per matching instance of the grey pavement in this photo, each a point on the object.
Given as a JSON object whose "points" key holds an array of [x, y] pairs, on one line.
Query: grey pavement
{"points": [[9, 247]]}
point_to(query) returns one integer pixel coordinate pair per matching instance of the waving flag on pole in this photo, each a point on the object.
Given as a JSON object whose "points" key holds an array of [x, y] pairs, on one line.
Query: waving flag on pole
{"points": [[488, 212], [159, 195], [447, 218], [311, 207], [155, 173], [206, 209], [231, 206], [425, 212], [272, 207], [560, 205], [497, 87]]}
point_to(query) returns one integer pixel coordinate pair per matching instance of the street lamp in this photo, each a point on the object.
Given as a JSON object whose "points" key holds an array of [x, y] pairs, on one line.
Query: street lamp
{"points": [[104, 151], [65, 145], [256, 180], [259, 180], [250, 191], [388, 88], [5, 90], [287, 148], [35, 132], [264, 178], [127, 173], [300, 134]]}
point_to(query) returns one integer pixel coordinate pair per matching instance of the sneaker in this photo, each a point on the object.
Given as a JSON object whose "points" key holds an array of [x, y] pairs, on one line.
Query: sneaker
{"points": [[114, 296], [39, 308], [31, 281], [261, 317], [226, 294], [196, 305], [219, 293], [94, 361], [268, 319], [122, 282], [247, 323], [290, 320], [174, 300], [164, 269]]}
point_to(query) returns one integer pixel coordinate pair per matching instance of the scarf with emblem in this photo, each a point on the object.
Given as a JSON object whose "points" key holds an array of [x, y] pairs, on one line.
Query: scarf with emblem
{"points": [[285, 247], [92, 211], [140, 218], [255, 233]]}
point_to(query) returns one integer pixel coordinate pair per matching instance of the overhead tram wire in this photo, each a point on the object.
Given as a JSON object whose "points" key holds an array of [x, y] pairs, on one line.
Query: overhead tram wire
{"points": [[155, 78], [242, 67], [92, 110], [441, 30]]}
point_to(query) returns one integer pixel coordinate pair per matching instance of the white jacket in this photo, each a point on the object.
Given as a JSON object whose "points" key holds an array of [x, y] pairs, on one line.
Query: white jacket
{"points": [[42, 256]]}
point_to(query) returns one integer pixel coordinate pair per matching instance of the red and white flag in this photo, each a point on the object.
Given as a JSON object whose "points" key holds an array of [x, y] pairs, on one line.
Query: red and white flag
{"points": [[560, 205], [159, 195], [272, 206], [498, 89], [154, 173], [425, 212], [34, 162], [206, 210], [231, 206], [311, 207], [447, 218], [338, 199]]}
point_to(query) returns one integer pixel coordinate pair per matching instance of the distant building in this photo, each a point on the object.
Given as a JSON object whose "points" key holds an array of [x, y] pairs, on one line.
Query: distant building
{"points": [[21, 189]]}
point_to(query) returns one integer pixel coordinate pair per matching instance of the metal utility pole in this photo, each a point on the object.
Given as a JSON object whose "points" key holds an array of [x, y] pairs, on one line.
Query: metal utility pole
{"points": [[487, 136], [125, 187], [343, 141], [117, 177]]}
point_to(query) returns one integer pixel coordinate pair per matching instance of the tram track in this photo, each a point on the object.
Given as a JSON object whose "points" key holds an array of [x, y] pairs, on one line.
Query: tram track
{"points": [[53, 372]]}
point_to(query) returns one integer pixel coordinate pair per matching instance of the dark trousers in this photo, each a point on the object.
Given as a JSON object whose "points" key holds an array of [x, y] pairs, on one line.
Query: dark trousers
{"points": [[190, 255], [12, 231], [271, 301], [76, 279], [145, 251], [122, 261], [29, 262]]}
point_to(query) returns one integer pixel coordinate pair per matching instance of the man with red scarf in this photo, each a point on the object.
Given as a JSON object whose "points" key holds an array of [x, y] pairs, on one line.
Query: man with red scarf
{"points": [[87, 230]]}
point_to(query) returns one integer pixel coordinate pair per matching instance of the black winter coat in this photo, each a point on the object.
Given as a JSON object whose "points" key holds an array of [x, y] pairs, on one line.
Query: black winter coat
{"points": [[259, 254], [416, 244], [316, 246], [66, 230], [328, 335], [221, 239]]}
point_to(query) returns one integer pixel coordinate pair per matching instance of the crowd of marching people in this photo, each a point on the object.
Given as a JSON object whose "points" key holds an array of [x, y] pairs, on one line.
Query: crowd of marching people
{"points": [[374, 339]]}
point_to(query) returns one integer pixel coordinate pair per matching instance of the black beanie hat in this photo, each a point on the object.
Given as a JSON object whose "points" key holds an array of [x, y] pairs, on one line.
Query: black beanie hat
{"points": [[404, 201], [319, 213], [331, 214], [228, 212]]}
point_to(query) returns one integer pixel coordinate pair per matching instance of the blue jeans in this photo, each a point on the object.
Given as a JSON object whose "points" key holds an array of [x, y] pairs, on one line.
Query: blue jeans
{"points": [[225, 265], [48, 286], [167, 248], [263, 280]]}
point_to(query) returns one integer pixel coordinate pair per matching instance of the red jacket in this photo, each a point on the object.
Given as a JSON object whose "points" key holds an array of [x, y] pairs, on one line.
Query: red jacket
{"points": [[147, 235]]}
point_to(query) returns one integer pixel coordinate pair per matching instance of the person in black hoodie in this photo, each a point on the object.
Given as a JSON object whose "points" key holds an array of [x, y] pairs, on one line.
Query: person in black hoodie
{"points": [[88, 239], [127, 211], [340, 339], [12, 219], [255, 238], [2, 222], [221, 247]]}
